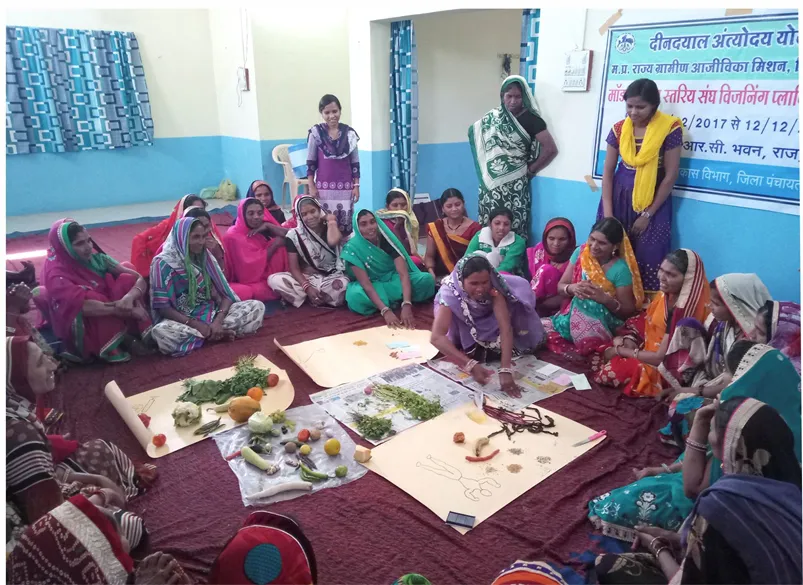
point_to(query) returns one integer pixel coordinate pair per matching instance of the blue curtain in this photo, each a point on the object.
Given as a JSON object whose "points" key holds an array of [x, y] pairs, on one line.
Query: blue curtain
{"points": [[69, 90], [530, 29], [403, 106]]}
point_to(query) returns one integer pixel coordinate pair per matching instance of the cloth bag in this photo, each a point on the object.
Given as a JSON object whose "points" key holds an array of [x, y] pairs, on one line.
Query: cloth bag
{"points": [[227, 191]]}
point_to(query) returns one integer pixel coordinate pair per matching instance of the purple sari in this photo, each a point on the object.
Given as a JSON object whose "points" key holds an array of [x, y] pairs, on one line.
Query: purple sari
{"points": [[335, 166], [783, 330], [474, 323]]}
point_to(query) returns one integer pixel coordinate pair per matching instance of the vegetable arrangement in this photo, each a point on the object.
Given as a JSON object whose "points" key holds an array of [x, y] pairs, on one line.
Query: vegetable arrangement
{"points": [[372, 427], [246, 377], [418, 406]]}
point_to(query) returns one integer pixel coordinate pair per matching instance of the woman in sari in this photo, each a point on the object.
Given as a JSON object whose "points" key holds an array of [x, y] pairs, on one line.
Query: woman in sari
{"points": [[95, 304], [504, 249], [313, 249], [146, 245], [261, 190], [547, 262], [42, 469], [510, 144], [448, 238], [190, 297], [399, 217], [778, 325], [82, 543], [254, 256], [601, 288], [481, 316], [735, 302], [637, 193], [637, 360], [382, 273], [333, 164], [744, 528], [214, 245]]}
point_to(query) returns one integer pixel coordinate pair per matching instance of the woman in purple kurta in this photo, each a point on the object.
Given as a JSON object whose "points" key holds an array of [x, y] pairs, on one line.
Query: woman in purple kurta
{"points": [[333, 164], [650, 229]]}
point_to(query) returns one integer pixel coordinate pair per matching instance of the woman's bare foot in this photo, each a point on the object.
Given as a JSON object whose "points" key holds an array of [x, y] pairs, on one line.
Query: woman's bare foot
{"points": [[160, 569]]}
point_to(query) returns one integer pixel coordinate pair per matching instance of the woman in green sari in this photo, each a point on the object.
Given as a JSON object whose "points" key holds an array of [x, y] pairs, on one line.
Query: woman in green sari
{"points": [[510, 144], [382, 273]]}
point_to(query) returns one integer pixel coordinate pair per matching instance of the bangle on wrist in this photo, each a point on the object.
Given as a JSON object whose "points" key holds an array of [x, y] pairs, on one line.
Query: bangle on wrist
{"points": [[406, 303], [469, 365], [646, 214], [692, 444], [636, 352], [506, 371], [658, 552], [384, 310], [566, 290]]}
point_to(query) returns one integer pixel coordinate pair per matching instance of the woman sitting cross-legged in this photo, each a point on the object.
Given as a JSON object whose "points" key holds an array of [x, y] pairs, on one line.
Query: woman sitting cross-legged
{"points": [[95, 304], [190, 297], [601, 287], [547, 262], [214, 242], [481, 316], [383, 274], [256, 249], [313, 250], [639, 359], [504, 248]]}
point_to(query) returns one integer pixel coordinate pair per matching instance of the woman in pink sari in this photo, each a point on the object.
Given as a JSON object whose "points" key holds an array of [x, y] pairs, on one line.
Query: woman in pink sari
{"points": [[255, 250], [548, 261], [95, 304]]}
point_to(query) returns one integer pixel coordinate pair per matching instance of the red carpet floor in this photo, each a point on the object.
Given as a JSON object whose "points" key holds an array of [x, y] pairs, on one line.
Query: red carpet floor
{"points": [[368, 531]]}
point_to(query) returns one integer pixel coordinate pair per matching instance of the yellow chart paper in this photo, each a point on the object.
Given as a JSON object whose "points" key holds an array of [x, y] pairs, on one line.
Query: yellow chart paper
{"points": [[160, 402], [348, 357], [425, 462]]}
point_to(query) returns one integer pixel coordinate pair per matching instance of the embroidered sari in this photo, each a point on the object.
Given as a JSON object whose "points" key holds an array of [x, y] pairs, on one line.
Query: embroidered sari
{"points": [[638, 379], [474, 323], [69, 281], [379, 265], [450, 247], [546, 270], [502, 149], [583, 325]]}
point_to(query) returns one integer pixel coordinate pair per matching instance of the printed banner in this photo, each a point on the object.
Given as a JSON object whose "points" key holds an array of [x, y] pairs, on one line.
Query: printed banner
{"points": [[734, 83]]}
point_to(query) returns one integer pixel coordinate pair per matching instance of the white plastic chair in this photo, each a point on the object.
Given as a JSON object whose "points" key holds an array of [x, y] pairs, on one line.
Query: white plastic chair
{"points": [[281, 157]]}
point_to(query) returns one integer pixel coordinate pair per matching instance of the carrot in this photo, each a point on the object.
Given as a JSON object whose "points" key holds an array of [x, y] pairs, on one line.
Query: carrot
{"points": [[473, 459], [234, 455]]}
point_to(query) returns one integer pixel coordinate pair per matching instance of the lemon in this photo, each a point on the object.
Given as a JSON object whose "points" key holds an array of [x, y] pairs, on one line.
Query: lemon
{"points": [[305, 450], [332, 447]]}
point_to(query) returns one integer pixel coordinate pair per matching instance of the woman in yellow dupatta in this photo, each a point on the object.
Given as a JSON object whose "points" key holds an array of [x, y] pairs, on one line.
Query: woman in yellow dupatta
{"points": [[601, 287], [399, 217], [640, 359], [637, 193]]}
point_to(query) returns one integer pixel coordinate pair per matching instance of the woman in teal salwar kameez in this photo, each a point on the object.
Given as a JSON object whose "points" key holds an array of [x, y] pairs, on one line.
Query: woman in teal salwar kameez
{"points": [[382, 274]]}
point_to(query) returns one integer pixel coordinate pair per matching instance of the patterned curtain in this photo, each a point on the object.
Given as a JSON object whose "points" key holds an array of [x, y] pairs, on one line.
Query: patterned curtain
{"points": [[403, 106], [69, 90], [530, 29]]}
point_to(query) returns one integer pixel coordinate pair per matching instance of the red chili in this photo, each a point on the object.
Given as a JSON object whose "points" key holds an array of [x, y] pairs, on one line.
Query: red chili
{"points": [[235, 454], [473, 459]]}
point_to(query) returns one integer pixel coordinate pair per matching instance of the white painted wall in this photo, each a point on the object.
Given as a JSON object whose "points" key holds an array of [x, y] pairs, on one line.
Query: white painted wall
{"points": [[178, 67], [459, 73], [301, 54]]}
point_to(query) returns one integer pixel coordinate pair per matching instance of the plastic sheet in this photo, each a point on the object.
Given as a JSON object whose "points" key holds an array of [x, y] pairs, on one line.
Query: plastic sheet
{"points": [[252, 480]]}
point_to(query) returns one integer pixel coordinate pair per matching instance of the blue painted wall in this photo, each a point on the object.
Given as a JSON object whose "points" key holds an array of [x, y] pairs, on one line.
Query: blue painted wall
{"points": [[729, 239]]}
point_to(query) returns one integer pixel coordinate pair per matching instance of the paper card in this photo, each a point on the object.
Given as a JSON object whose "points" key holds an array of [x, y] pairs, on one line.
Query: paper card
{"points": [[580, 382], [549, 369], [563, 380], [479, 398], [408, 355], [398, 345]]}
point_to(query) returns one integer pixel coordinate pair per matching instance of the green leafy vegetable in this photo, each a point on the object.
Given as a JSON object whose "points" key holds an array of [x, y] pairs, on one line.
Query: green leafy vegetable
{"points": [[418, 406], [246, 376], [372, 427]]}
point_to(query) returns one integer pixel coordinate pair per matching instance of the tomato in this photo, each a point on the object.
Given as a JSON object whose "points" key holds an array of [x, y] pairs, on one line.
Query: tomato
{"points": [[159, 440], [273, 380], [146, 420], [303, 435]]}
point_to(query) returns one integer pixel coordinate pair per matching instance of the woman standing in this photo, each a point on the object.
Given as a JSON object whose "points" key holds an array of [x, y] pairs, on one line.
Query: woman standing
{"points": [[94, 303], [399, 217], [191, 298], [637, 193], [547, 262], [383, 276], [510, 144], [316, 271], [333, 163], [481, 315], [448, 238], [504, 248]]}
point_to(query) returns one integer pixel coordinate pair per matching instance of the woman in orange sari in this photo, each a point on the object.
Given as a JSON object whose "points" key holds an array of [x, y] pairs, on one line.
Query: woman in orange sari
{"points": [[639, 359], [448, 238], [146, 244]]}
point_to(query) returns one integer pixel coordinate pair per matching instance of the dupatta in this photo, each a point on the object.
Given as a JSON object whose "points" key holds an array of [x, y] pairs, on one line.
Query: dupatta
{"points": [[410, 220], [445, 243], [374, 260], [645, 160], [146, 245], [311, 246], [539, 255], [247, 255], [590, 267], [68, 278]]}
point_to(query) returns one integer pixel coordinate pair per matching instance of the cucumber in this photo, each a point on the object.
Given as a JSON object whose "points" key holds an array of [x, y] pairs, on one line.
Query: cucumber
{"points": [[251, 457]]}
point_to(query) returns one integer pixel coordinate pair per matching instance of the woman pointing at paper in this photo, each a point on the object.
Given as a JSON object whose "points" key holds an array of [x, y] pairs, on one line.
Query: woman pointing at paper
{"points": [[637, 193]]}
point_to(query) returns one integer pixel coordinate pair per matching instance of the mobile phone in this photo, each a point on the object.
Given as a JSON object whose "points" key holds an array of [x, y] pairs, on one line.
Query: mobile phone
{"points": [[461, 520]]}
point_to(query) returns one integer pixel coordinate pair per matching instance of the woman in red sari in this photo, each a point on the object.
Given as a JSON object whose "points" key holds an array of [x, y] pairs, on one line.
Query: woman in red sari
{"points": [[145, 245], [95, 304], [448, 238]]}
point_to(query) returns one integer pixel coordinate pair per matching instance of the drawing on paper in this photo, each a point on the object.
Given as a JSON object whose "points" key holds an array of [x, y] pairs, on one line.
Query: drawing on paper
{"points": [[143, 408], [471, 486]]}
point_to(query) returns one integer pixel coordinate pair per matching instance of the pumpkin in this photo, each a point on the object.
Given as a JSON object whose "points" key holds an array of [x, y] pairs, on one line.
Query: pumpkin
{"points": [[241, 409]]}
